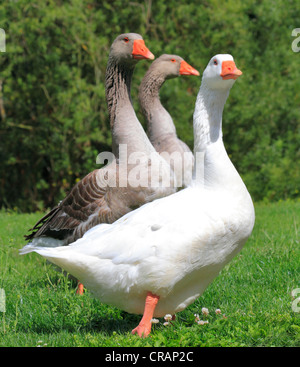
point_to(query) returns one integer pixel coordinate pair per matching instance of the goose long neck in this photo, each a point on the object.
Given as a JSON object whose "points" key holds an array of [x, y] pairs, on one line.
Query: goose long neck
{"points": [[218, 171], [118, 83], [159, 121], [125, 127], [208, 117]]}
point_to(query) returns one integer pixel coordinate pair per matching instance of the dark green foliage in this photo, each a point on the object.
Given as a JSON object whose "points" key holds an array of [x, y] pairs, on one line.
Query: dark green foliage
{"points": [[54, 97]]}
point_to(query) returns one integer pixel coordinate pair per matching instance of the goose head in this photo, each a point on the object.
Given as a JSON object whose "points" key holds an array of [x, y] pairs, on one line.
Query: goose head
{"points": [[130, 46], [221, 72], [172, 66]]}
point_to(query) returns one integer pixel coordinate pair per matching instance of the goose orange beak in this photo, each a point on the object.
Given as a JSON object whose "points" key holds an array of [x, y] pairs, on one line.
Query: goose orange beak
{"points": [[140, 51], [186, 69], [229, 70]]}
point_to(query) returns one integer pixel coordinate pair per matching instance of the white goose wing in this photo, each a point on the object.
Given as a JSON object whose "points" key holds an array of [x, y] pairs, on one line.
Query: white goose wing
{"points": [[167, 227]]}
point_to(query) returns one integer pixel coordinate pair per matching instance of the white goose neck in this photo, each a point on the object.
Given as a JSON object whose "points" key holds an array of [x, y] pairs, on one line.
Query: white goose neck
{"points": [[208, 116], [217, 169]]}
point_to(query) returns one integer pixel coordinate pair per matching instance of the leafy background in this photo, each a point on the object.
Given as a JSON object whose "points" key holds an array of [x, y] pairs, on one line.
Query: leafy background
{"points": [[54, 119]]}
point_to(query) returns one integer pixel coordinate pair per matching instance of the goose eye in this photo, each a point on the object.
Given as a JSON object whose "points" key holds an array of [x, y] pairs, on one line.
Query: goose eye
{"points": [[215, 62], [173, 60], [126, 39]]}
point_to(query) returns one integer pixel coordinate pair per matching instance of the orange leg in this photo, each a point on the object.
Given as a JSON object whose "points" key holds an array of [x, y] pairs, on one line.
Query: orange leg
{"points": [[144, 327], [79, 288]]}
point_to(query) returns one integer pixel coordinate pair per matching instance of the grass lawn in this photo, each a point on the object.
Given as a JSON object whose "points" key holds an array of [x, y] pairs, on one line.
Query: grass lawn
{"points": [[253, 293]]}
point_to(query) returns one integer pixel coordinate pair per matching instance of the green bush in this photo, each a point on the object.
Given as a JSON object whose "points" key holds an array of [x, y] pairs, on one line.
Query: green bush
{"points": [[54, 97]]}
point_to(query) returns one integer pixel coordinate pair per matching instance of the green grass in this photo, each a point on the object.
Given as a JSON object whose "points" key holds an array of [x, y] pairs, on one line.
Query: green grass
{"points": [[253, 292]]}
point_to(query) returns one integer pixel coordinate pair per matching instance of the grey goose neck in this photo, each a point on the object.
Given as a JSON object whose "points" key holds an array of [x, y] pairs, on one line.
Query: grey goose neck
{"points": [[125, 127], [159, 121]]}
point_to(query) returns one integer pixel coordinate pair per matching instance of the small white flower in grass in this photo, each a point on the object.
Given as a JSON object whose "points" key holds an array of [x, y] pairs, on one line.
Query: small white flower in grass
{"points": [[197, 317], [154, 321], [166, 323], [39, 344], [168, 317], [201, 322], [218, 311], [205, 311]]}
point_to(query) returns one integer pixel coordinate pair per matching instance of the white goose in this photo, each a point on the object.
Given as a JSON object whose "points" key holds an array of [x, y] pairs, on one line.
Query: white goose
{"points": [[160, 258]]}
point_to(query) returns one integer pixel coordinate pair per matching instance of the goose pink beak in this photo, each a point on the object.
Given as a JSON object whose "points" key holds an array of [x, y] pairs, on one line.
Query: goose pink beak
{"points": [[186, 69], [229, 70], [140, 51]]}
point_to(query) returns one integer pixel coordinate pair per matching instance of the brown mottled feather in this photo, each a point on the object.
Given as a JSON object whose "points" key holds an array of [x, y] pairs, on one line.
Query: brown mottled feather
{"points": [[90, 203]]}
